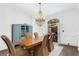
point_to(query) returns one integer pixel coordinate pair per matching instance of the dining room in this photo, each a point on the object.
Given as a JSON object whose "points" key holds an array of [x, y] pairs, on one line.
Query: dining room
{"points": [[39, 29]]}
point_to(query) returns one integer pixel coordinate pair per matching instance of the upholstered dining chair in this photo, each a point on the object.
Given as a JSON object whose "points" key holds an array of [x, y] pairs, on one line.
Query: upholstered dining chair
{"points": [[29, 39], [50, 42], [9, 45], [42, 49], [12, 50], [36, 34], [28, 36]]}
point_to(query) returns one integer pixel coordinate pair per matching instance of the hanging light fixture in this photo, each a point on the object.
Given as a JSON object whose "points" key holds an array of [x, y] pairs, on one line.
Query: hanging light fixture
{"points": [[39, 17]]}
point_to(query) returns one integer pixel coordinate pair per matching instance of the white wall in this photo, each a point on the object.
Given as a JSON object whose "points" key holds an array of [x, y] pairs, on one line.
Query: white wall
{"points": [[78, 6], [8, 16], [78, 24], [70, 18]]}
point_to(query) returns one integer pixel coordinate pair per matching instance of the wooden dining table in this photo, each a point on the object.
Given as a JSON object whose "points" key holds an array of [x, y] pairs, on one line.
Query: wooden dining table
{"points": [[29, 44]]}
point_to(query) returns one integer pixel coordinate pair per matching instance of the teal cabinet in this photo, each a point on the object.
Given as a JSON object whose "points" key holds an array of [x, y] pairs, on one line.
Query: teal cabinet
{"points": [[18, 31]]}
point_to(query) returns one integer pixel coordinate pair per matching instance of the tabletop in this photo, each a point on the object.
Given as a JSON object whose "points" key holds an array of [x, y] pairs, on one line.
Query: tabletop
{"points": [[29, 43]]}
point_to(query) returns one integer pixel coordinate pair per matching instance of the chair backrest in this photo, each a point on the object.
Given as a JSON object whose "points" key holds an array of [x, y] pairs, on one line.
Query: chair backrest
{"points": [[44, 46], [36, 34], [51, 37], [28, 36], [9, 45], [45, 40], [50, 42]]}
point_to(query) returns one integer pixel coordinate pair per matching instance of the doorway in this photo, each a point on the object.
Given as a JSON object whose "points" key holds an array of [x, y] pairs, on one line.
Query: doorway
{"points": [[53, 28]]}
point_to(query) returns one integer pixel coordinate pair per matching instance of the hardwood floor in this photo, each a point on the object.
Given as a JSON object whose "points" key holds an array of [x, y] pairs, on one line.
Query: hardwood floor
{"points": [[66, 51], [69, 51], [19, 52], [3, 53]]}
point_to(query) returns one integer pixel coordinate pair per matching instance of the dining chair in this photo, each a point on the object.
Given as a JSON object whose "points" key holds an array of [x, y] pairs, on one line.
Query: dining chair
{"points": [[36, 34], [11, 49], [42, 49], [29, 39], [50, 42], [28, 36], [9, 45]]}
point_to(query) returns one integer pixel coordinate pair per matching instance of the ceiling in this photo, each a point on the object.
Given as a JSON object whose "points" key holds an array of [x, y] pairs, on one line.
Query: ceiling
{"points": [[31, 9]]}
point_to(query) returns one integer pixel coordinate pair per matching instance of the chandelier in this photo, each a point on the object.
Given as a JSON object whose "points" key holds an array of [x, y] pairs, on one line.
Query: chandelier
{"points": [[39, 17]]}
